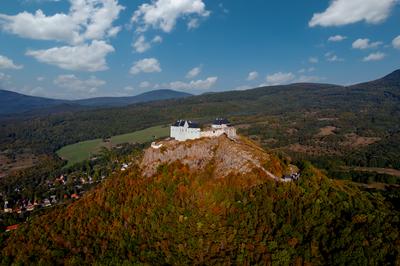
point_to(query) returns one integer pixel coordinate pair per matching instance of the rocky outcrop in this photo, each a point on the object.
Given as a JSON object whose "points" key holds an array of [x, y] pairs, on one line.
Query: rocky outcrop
{"points": [[223, 154]]}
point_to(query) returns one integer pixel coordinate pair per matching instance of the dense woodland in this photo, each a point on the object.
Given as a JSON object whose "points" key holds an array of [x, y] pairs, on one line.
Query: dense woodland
{"points": [[179, 217]]}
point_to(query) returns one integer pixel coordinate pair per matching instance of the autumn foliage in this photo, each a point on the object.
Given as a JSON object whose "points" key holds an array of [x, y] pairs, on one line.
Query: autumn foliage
{"points": [[182, 218]]}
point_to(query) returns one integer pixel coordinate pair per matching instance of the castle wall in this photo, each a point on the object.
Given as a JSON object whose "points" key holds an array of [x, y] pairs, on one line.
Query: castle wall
{"points": [[184, 133], [216, 132]]}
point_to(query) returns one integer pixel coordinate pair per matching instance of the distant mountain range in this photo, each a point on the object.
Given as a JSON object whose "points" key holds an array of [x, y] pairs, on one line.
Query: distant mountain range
{"points": [[16, 103]]}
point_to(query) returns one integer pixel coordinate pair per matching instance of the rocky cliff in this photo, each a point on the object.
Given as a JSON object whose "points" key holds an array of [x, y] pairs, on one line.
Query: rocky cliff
{"points": [[223, 155]]}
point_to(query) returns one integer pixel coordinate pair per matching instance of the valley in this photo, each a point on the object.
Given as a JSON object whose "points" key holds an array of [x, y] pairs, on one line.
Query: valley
{"points": [[85, 150]]}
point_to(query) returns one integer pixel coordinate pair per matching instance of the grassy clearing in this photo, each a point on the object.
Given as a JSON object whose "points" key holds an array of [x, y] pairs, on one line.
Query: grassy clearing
{"points": [[81, 151]]}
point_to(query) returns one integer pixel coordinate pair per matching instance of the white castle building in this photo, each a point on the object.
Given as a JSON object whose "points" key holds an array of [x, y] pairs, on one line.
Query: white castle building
{"points": [[184, 130]]}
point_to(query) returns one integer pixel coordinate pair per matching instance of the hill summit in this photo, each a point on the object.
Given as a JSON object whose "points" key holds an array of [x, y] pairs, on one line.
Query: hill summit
{"points": [[223, 156]]}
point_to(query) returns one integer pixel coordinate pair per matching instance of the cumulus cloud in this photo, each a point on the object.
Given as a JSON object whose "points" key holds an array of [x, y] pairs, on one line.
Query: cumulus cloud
{"points": [[193, 72], [193, 23], [147, 65], [307, 79], [86, 20], [332, 57], [73, 83], [252, 75], [280, 78], [84, 57], [141, 45], [163, 14], [194, 84], [304, 70], [396, 42], [7, 63], [374, 57], [144, 84], [365, 44], [343, 12], [337, 38], [4, 77]]}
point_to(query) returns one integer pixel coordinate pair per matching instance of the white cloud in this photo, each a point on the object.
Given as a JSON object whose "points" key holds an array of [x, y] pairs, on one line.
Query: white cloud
{"points": [[313, 60], [157, 39], [343, 12], [193, 72], [194, 84], [337, 38], [163, 14], [86, 20], [396, 42], [304, 70], [193, 23], [331, 57], [280, 78], [7, 63], [37, 91], [141, 45], [40, 79], [4, 77], [83, 57], [147, 65], [252, 75], [365, 44], [144, 84], [71, 82], [374, 57]]}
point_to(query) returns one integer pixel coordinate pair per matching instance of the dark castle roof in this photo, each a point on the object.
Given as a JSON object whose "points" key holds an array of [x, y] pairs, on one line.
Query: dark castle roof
{"points": [[221, 121], [181, 123]]}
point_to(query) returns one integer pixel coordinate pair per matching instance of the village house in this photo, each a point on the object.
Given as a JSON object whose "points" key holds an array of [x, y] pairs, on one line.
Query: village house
{"points": [[183, 130], [12, 227]]}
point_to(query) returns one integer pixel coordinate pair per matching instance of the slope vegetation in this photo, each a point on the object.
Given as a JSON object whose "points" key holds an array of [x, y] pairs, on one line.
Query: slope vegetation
{"points": [[179, 216]]}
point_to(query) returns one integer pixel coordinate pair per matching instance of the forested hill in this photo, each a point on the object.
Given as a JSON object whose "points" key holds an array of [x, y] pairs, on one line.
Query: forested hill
{"points": [[12, 103], [156, 95], [183, 217]]}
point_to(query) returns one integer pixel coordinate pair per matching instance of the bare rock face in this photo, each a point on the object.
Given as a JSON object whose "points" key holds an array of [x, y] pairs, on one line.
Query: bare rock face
{"points": [[225, 155]]}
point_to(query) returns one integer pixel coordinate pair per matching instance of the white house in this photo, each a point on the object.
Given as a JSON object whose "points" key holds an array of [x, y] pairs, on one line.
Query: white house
{"points": [[185, 130]]}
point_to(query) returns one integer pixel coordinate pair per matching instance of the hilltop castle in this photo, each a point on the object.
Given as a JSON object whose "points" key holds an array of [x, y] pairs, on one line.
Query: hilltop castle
{"points": [[183, 130]]}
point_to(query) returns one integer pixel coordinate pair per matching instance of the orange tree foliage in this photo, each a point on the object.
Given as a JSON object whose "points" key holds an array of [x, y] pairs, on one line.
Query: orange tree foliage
{"points": [[178, 217]]}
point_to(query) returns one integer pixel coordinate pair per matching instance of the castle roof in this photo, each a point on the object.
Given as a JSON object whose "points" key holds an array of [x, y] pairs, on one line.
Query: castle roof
{"points": [[221, 121], [181, 123]]}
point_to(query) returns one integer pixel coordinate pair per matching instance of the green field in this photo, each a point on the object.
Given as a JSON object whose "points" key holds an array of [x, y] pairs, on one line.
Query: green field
{"points": [[81, 151]]}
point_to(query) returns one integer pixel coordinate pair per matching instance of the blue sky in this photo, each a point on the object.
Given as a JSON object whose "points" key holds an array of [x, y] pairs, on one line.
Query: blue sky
{"points": [[87, 48]]}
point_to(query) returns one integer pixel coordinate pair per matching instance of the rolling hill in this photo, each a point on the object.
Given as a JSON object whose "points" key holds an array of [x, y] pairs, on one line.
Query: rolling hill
{"points": [[16, 103], [156, 95], [12, 102], [331, 125]]}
